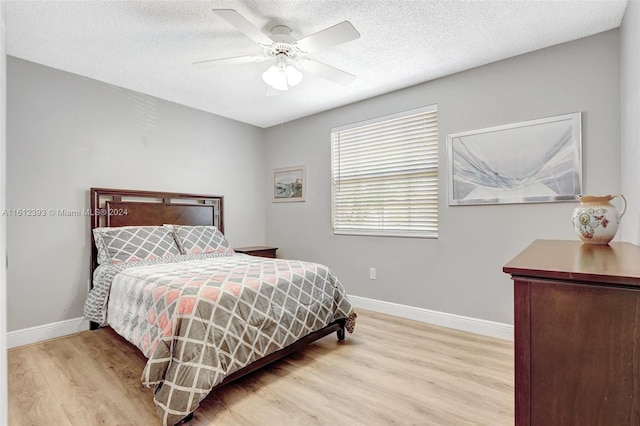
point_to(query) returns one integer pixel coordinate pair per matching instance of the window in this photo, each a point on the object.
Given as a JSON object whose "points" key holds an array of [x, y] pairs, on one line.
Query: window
{"points": [[385, 175]]}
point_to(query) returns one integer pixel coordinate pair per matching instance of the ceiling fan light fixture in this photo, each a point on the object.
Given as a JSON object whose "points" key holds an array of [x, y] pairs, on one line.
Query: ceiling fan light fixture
{"points": [[282, 74], [294, 77], [276, 78]]}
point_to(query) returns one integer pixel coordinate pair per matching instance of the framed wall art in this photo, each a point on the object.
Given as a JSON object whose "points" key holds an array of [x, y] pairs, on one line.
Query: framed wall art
{"points": [[289, 184], [528, 162]]}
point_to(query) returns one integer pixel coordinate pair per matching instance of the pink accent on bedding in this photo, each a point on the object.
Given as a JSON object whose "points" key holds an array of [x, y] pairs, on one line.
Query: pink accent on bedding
{"points": [[151, 317], [186, 305], [171, 296], [211, 293]]}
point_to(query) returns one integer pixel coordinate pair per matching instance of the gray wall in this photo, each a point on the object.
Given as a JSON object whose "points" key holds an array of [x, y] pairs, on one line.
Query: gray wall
{"points": [[460, 272], [630, 115], [68, 133]]}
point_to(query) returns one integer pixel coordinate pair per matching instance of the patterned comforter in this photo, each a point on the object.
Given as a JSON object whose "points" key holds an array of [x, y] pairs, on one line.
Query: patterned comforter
{"points": [[198, 321]]}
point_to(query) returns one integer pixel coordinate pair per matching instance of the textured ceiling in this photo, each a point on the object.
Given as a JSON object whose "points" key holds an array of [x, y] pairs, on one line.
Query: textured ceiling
{"points": [[149, 46]]}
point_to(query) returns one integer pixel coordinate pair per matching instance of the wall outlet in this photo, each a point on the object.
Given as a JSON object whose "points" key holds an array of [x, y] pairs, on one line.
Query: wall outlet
{"points": [[372, 273]]}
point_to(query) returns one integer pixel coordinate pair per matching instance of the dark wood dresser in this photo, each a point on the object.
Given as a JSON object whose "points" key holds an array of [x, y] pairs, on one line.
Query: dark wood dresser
{"points": [[577, 334], [261, 251]]}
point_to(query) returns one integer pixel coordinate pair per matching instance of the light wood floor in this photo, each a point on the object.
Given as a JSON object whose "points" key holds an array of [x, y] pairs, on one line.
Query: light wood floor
{"points": [[391, 371]]}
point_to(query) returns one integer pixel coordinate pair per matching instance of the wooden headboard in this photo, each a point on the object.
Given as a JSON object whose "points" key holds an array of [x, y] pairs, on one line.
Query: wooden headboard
{"points": [[125, 207]]}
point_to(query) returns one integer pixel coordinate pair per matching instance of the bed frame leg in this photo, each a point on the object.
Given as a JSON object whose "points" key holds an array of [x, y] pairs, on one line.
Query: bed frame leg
{"points": [[340, 331]]}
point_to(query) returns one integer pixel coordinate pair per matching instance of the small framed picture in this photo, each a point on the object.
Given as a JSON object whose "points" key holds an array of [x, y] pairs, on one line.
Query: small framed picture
{"points": [[289, 184]]}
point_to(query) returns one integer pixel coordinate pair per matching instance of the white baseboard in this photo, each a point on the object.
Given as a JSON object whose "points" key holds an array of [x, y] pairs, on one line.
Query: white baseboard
{"points": [[499, 330], [473, 325], [40, 333]]}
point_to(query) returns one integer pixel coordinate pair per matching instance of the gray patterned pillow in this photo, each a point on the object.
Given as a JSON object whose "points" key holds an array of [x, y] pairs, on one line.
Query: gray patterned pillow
{"points": [[134, 243], [200, 239]]}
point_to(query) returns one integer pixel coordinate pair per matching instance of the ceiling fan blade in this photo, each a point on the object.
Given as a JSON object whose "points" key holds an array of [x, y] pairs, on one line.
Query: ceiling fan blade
{"points": [[325, 71], [332, 36], [210, 63], [241, 23]]}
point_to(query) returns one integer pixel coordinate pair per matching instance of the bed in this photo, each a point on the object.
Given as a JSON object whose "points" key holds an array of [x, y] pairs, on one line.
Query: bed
{"points": [[167, 280]]}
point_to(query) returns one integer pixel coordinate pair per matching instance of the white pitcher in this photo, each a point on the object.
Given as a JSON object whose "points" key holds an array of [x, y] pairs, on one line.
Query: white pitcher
{"points": [[596, 220]]}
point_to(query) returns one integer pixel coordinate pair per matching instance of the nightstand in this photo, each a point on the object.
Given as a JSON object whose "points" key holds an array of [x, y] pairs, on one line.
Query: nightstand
{"points": [[261, 251]]}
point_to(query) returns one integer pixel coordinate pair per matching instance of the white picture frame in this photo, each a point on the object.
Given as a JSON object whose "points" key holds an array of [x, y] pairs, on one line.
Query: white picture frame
{"points": [[289, 184], [533, 161]]}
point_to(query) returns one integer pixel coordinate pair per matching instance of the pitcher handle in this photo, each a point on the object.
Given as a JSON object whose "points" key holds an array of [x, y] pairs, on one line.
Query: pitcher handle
{"points": [[624, 205]]}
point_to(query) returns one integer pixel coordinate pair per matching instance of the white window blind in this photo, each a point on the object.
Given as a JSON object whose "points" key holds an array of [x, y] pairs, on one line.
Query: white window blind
{"points": [[385, 176]]}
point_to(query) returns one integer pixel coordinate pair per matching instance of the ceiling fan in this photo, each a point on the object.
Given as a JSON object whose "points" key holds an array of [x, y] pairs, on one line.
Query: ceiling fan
{"points": [[289, 55]]}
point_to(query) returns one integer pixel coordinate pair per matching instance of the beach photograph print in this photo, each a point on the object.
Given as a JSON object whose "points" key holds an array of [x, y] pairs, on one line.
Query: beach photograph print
{"points": [[289, 184]]}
